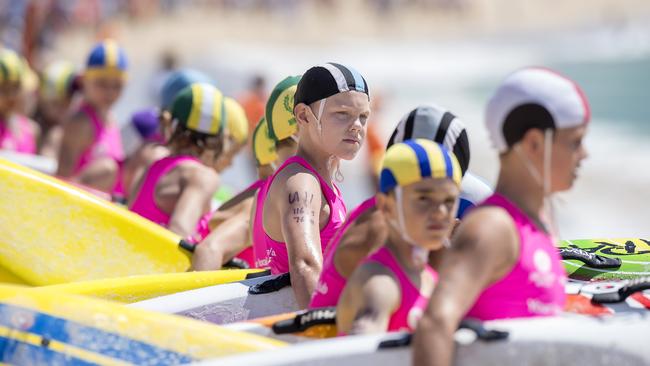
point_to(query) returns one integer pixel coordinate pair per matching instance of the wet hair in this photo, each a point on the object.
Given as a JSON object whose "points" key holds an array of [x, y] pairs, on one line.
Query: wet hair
{"points": [[524, 118], [183, 138]]}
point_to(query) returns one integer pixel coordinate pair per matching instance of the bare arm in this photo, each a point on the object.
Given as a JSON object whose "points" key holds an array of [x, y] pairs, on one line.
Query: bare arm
{"points": [[198, 184], [362, 238], [484, 249], [224, 242], [137, 164], [368, 300], [77, 136], [52, 142], [299, 207]]}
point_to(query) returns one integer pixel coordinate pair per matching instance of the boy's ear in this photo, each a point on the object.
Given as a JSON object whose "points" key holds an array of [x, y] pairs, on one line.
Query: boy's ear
{"points": [[533, 140], [300, 111]]}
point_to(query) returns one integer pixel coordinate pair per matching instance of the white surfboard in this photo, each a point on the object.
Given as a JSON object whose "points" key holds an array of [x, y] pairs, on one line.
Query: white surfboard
{"points": [[564, 340], [224, 304]]}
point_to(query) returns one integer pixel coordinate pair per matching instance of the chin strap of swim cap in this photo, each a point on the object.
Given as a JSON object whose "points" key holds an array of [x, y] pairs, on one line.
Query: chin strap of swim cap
{"points": [[419, 255], [544, 180], [548, 197], [446, 243], [321, 108], [333, 163]]}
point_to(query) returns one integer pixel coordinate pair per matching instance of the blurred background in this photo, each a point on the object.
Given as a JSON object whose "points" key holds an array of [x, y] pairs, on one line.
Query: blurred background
{"points": [[451, 53]]}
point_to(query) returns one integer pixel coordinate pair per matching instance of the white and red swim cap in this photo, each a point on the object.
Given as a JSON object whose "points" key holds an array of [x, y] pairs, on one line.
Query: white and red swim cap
{"points": [[534, 97]]}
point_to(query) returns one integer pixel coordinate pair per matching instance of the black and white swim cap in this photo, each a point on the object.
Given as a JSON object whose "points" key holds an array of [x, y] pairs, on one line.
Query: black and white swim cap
{"points": [[320, 82]]}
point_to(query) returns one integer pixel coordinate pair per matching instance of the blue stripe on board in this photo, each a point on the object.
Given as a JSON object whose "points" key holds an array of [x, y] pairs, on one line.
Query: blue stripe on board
{"points": [[92, 339], [423, 158], [16, 352]]}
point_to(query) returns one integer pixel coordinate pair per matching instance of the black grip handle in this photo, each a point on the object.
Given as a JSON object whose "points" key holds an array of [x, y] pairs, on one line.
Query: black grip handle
{"points": [[590, 259], [483, 334], [305, 320], [187, 245], [272, 285]]}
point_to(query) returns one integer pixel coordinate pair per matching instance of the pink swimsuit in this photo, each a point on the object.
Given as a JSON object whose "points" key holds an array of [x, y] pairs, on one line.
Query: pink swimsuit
{"points": [[259, 237], [413, 302], [276, 252], [535, 285], [248, 254], [107, 143], [144, 203], [18, 137], [331, 283]]}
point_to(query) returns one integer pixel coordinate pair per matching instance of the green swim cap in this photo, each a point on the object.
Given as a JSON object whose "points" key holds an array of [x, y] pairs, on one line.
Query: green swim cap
{"points": [[200, 108], [263, 144], [279, 109], [58, 80], [11, 66]]}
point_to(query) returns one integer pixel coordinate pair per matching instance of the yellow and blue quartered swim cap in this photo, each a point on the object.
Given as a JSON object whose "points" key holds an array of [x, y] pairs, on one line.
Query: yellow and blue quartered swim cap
{"points": [[263, 144], [200, 108], [236, 121], [279, 109], [11, 66], [57, 80], [107, 58], [411, 161]]}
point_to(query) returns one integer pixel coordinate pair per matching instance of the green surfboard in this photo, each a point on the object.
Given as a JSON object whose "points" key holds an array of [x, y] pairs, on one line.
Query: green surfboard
{"points": [[634, 254]]}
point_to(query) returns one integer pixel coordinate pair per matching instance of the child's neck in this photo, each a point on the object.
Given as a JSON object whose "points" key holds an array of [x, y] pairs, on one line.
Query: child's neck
{"points": [[403, 252], [102, 112], [320, 162]]}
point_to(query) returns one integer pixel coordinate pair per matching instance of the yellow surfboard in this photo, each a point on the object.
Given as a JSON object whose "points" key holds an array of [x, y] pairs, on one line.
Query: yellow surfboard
{"points": [[138, 288], [40, 327], [52, 232]]}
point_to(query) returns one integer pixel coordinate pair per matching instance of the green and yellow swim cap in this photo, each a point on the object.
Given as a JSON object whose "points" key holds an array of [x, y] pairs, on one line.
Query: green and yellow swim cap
{"points": [[236, 121], [263, 144], [411, 161], [11, 66], [57, 80], [279, 109], [200, 108]]}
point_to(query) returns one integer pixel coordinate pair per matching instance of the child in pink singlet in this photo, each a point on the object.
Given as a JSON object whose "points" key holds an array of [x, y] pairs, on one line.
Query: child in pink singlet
{"points": [[17, 132], [176, 191], [300, 206], [232, 234], [420, 186], [365, 228], [91, 146], [503, 262], [58, 89]]}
